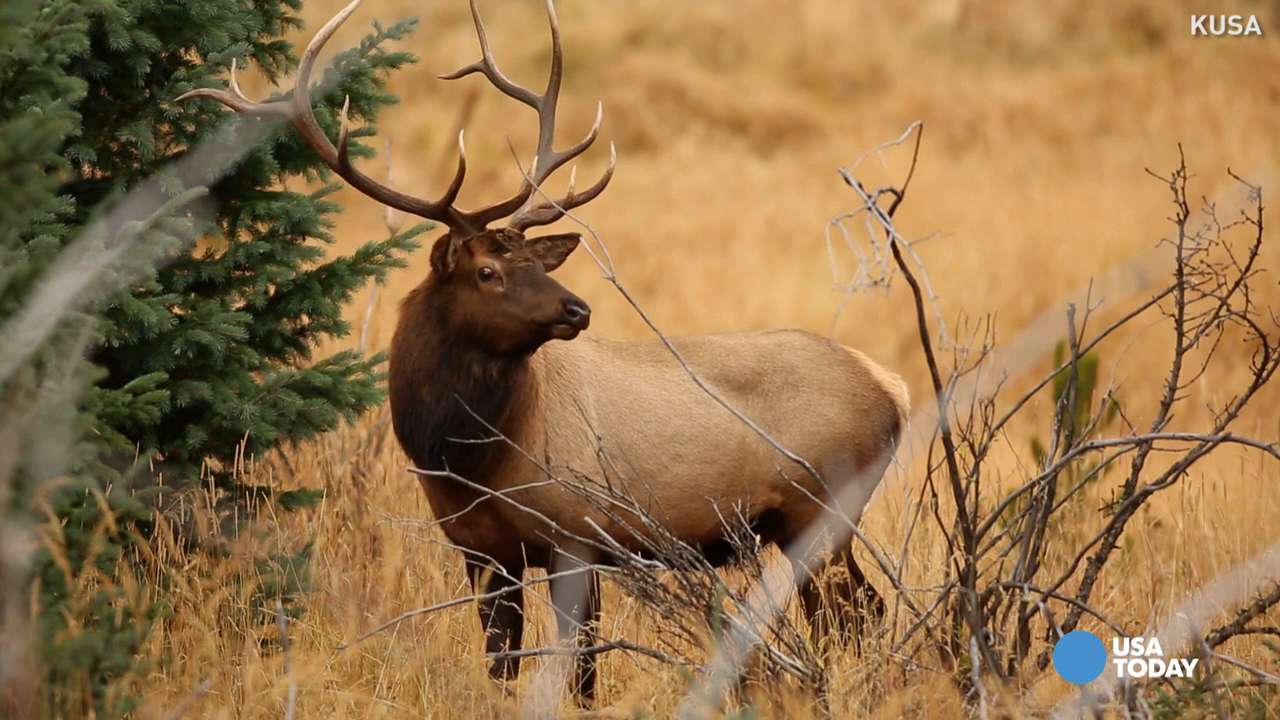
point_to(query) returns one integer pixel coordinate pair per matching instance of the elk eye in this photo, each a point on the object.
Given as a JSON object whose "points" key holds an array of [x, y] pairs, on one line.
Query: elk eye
{"points": [[487, 274]]}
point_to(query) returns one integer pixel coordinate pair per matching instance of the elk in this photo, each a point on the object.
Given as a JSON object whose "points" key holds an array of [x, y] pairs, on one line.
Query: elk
{"points": [[492, 412]]}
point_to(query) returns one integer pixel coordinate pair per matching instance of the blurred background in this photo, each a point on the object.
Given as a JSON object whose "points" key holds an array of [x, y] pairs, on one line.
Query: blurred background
{"points": [[731, 119]]}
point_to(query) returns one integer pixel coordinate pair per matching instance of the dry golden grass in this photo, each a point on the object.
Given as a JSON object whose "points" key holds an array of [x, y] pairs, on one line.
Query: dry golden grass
{"points": [[730, 120]]}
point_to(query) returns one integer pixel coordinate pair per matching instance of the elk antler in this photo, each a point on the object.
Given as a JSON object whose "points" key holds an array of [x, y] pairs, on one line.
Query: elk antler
{"points": [[297, 110], [547, 160]]}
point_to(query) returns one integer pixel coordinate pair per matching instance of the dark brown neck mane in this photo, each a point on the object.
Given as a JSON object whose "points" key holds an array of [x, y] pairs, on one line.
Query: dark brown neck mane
{"points": [[451, 403]]}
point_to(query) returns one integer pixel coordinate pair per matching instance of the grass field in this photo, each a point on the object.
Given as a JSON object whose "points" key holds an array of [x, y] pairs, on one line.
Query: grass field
{"points": [[730, 120]]}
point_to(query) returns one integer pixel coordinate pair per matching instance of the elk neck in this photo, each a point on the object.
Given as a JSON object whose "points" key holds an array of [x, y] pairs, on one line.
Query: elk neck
{"points": [[448, 396]]}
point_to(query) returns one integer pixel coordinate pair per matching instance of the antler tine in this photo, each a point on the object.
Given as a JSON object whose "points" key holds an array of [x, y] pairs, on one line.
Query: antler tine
{"points": [[303, 117], [547, 159], [235, 98], [235, 84], [451, 193], [548, 211], [297, 110], [551, 97], [488, 67], [525, 194], [557, 159]]}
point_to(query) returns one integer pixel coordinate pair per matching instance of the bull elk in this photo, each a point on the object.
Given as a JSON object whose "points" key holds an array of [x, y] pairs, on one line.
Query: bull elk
{"points": [[479, 393]]}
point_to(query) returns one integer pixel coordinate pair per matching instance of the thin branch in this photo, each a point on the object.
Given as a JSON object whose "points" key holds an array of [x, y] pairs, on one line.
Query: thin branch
{"points": [[1239, 625], [589, 651]]}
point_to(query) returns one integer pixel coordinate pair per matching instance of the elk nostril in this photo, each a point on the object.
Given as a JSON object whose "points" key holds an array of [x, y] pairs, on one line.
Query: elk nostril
{"points": [[577, 312]]}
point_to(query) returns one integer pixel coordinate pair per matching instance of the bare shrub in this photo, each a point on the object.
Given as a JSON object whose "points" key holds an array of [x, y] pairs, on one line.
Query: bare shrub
{"points": [[1023, 563]]}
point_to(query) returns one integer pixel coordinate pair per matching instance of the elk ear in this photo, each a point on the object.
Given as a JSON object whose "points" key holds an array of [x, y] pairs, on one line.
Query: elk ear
{"points": [[553, 250], [443, 255]]}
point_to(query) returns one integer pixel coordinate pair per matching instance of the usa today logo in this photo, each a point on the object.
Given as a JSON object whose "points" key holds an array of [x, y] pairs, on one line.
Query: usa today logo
{"points": [[1079, 657]]}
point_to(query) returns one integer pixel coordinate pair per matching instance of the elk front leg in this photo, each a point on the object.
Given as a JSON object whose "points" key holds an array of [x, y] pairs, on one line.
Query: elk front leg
{"points": [[501, 617], [840, 602], [576, 601]]}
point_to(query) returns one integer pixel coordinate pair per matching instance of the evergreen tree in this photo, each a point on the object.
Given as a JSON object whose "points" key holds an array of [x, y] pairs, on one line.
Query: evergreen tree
{"points": [[179, 352]]}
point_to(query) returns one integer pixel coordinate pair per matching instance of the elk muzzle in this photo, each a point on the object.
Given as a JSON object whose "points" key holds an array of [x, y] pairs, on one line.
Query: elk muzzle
{"points": [[575, 316]]}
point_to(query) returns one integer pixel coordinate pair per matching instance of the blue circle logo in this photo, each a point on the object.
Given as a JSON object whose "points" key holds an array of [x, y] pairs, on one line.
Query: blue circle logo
{"points": [[1079, 657]]}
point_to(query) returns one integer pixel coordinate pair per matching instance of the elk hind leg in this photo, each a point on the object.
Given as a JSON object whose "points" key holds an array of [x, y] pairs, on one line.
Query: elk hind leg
{"points": [[838, 599], [576, 601]]}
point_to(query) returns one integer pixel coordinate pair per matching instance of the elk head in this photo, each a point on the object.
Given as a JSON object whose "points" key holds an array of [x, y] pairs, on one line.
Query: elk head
{"points": [[491, 284], [496, 292]]}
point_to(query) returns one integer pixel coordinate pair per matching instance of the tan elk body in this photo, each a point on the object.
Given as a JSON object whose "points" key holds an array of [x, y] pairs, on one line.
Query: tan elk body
{"points": [[516, 438], [629, 412]]}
